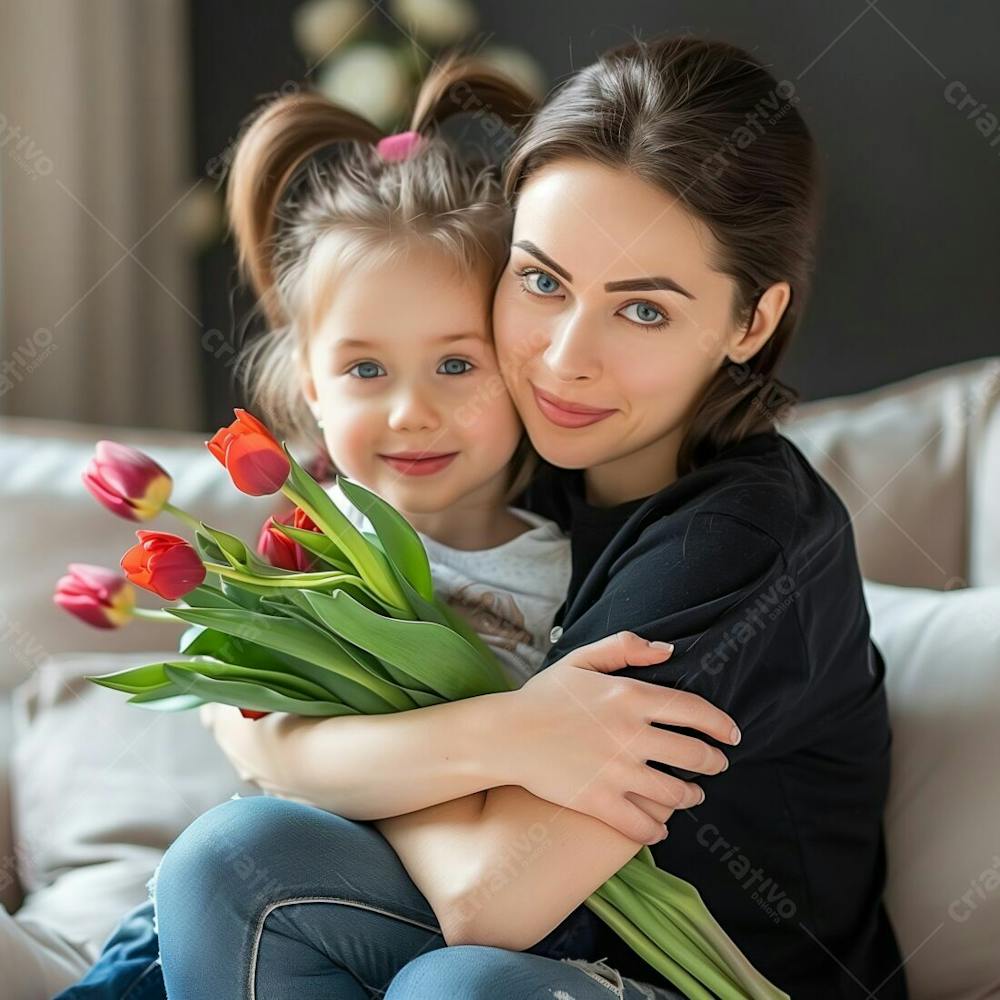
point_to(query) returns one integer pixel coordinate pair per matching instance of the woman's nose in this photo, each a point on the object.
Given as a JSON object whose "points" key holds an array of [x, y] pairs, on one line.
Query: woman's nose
{"points": [[571, 353]]}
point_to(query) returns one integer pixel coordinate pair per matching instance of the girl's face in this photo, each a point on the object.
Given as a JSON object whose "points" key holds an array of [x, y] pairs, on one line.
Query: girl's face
{"points": [[401, 370], [610, 322]]}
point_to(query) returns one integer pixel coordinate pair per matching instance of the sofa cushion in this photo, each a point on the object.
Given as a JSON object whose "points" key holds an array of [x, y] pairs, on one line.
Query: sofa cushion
{"points": [[100, 789], [942, 653], [917, 464]]}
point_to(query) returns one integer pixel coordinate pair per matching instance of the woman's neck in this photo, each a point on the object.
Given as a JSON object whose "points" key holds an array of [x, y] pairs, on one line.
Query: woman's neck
{"points": [[638, 474]]}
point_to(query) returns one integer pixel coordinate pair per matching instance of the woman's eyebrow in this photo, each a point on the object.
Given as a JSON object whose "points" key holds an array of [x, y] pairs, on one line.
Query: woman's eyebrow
{"points": [[544, 258], [647, 285], [659, 283]]}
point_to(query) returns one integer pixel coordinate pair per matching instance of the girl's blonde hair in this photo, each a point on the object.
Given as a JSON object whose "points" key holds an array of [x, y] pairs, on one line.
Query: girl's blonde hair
{"points": [[293, 218]]}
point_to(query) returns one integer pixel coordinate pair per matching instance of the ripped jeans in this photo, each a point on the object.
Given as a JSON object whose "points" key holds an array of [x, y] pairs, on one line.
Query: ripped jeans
{"points": [[262, 898]]}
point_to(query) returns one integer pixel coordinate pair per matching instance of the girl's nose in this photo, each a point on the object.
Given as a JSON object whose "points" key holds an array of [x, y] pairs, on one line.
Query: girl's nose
{"points": [[414, 410]]}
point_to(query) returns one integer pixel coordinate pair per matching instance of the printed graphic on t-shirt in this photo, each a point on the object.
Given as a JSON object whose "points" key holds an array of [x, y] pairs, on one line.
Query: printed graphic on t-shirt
{"points": [[491, 613]]}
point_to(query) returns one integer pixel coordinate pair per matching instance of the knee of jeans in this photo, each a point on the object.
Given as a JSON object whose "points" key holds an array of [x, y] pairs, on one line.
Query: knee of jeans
{"points": [[471, 971], [224, 851]]}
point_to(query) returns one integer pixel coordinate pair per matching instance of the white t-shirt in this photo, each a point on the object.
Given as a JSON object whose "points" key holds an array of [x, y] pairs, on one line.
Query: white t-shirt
{"points": [[509, 594]]}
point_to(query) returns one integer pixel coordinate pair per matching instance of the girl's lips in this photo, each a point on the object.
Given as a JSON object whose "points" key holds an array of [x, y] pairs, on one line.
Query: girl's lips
{"points": [[565, 414], [415, 466]]}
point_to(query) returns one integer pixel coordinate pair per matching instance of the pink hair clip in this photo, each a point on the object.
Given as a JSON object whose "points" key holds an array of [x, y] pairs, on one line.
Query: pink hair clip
{"points": [[399, 146]]}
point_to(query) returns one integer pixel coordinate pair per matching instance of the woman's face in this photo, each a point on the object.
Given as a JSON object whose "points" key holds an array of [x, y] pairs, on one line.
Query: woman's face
{"points": [[609, 306]]}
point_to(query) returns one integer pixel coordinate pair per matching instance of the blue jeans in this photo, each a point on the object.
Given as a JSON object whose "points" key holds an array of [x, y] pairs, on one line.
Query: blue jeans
{"points": [[265, 898]]}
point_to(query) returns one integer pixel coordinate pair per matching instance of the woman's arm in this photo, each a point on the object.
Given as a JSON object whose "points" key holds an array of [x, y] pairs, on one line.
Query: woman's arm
{"points": [[514, 865], [367, 767], [592, 732]]}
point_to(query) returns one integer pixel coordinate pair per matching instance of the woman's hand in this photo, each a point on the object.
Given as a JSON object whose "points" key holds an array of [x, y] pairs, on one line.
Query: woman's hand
{"points": [[581, 738]]}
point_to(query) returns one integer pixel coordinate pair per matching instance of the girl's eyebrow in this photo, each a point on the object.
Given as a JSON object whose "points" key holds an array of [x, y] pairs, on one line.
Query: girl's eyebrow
{"points": [[658, 283], [446, 338]]}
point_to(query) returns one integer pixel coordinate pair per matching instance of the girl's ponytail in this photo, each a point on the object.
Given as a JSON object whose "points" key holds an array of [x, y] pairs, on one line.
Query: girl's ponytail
{"points": [[277, 141], [463, 85]]}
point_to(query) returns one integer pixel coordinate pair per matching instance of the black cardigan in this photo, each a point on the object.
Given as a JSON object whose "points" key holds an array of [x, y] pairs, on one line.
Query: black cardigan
{"points": [[748, 565]]}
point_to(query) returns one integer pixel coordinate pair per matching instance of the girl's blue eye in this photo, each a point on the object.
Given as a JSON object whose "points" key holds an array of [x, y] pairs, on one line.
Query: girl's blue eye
{"points": [[538, 282], [453, 370], [365, 369], [645, 314]]}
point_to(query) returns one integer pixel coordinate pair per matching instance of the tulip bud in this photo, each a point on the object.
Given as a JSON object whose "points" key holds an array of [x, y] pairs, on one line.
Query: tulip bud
{"points": [[96, 595], [280, 550], [127, 482], [166, 564], [250, 713], [253, 458]]}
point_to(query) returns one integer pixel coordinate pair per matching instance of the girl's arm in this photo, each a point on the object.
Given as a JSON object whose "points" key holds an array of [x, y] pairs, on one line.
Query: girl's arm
{"points": [[503, 867]]}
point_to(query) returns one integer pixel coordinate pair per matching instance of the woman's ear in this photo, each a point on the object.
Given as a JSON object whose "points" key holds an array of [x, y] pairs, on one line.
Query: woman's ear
{"points": [[770, 308]]}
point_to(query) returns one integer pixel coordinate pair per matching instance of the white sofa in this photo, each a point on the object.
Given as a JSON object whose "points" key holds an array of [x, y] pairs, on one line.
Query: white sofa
{"points": [[92, 791]]}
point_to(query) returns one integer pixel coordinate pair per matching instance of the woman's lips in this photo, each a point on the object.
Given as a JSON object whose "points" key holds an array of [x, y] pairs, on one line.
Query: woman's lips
{"points": [[413, 463], [566, 414]]}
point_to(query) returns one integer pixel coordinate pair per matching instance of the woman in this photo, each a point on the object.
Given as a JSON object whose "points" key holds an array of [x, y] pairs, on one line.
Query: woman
{"points": [[661, 257]]}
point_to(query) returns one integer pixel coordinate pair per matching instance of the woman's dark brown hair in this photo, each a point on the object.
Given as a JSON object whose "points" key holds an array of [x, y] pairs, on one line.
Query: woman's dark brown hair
{"points": [[708, 125]]}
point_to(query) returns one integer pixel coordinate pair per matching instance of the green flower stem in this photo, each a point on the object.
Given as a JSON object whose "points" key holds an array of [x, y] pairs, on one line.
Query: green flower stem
{"points": [[390, 593], [182, 515], [644, 948], [154, 616], [672, 936], [292, 580]]}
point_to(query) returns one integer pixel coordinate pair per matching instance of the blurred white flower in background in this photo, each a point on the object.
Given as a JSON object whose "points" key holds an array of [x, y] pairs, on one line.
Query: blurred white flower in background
{"points": [[436, 22], [200, 217], [319, 26], [518, 65], [369, 79]]}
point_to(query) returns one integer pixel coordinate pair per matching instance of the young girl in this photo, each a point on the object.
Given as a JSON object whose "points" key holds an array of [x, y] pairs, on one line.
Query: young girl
{"points": [[376, 271]]}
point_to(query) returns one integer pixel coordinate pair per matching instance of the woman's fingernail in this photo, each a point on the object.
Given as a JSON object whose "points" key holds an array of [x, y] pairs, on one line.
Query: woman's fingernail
{"points": [[735, 736], [668, 646]]}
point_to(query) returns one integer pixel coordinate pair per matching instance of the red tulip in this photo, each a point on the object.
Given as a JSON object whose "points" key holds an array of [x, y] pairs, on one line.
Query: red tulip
{"points": [[100, 597], [253, 458], [127, 482], [279, 550], [250, 713], [166, 564]]}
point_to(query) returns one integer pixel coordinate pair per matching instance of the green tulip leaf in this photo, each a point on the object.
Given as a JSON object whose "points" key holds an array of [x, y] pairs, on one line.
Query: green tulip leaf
{"points": [[306, 642], [400, 543]]}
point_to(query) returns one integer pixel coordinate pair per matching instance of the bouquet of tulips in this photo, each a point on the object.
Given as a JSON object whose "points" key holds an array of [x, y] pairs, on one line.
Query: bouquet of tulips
{"points": [[323, 619]]}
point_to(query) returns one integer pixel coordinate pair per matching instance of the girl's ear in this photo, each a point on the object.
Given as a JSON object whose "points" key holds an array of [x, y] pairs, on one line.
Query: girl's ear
{"points": [[306, 381]]}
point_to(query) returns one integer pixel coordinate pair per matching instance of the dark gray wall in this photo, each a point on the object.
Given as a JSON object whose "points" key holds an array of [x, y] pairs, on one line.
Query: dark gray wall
{"points": [[909, 263]]}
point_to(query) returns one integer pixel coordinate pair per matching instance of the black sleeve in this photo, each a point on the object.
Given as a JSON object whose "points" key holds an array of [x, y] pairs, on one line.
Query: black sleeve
{"points": [[719, 589]]}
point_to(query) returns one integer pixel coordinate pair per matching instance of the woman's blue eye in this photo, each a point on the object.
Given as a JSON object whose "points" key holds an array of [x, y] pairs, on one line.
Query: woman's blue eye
{"points": [[645, 314], [365, 370], [453, 370], [538, 281]]}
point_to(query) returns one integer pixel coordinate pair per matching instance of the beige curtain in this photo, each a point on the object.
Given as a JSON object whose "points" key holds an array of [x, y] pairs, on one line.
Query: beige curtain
{"points": [[98, 313]]}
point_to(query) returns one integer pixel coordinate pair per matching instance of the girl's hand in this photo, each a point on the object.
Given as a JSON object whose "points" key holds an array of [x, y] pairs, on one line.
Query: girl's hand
{"points": [[581, 738]]}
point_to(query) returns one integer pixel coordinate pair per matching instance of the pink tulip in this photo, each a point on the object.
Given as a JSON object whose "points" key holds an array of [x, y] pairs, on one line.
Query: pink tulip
{"points": [[127, 482], [166, 564], [98, 596]]}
